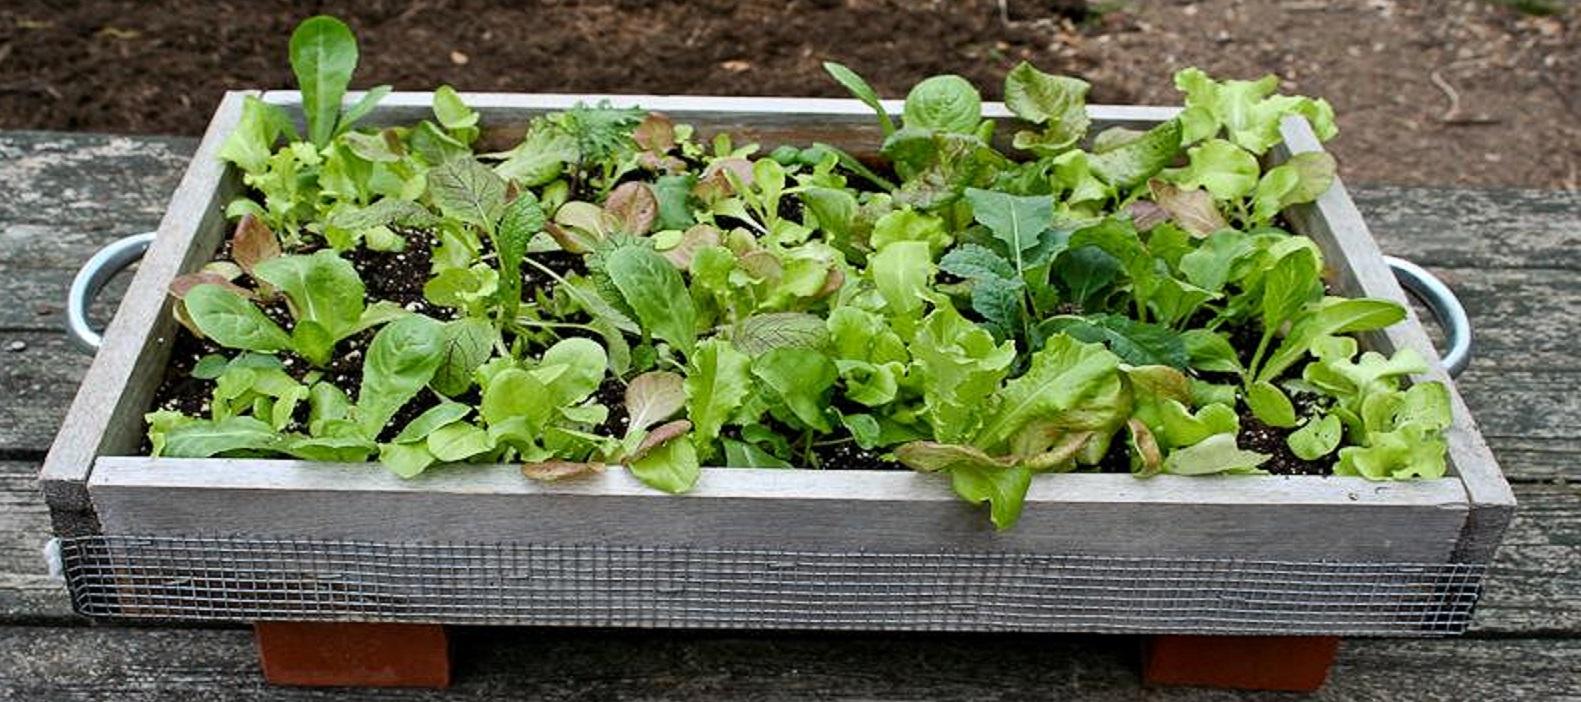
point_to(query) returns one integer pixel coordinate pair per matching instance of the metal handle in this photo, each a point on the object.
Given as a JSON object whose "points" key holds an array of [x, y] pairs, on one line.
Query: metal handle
{"points": [[1446, 308], [91, 278]]}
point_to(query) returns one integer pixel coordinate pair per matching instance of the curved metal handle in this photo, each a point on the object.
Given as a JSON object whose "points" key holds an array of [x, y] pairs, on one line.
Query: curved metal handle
{"points": [[91, 278], [1446, 308]]}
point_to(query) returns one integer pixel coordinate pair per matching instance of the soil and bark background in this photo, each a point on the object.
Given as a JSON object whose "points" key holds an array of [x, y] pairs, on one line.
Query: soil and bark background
{"points": [[1433, 92]]}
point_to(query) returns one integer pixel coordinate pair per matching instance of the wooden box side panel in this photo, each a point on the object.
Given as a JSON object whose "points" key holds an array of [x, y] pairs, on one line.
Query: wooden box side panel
{"points": [[105, 417], [1296, 519]]}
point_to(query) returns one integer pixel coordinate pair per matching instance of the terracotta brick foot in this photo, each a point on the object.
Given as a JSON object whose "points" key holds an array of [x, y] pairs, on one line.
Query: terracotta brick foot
{"points": [[353, 654], [1293, 663]]}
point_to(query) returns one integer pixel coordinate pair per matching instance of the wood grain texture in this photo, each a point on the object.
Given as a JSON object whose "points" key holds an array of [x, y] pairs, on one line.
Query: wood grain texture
{"points": [[1289, 519], [27, 592], [39, 381], [1534, 587], [148, 665], [1476, 229]]}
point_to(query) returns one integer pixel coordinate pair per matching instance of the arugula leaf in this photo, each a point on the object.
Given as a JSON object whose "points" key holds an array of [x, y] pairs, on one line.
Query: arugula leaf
{"points": [[540, 158]]}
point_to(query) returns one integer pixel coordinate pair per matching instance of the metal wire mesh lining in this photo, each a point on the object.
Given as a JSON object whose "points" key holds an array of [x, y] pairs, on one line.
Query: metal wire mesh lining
{"points": [[247, 579]]}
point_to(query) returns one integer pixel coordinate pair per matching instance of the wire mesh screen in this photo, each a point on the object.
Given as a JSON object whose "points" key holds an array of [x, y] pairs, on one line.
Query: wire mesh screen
{"points": [[248, 579]]}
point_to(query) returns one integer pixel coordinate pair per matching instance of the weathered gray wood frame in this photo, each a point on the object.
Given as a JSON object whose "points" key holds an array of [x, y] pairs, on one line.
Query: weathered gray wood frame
{"points": [[94, 482]]}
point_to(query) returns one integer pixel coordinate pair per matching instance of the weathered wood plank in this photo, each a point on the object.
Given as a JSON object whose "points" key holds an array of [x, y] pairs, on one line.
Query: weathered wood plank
{"points": [[27, 593], [883, 511], [1535, 584], [1533, 409], [1475, 228], [37, 383], [35, 289], [94, 181], [61, 665], [1521, 319]]}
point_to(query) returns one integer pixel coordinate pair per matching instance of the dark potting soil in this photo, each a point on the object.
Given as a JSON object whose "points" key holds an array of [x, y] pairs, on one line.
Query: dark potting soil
{"points": [[399, 276], [846, 455], [1262, 438], [612, 394]]}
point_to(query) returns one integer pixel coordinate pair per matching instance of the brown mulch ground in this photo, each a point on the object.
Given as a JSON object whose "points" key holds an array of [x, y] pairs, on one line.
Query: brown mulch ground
{"points": [[1459, 92]]}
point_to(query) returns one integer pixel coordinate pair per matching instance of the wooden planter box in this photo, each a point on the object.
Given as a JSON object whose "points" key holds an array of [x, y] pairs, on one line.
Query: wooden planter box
{"points": [[248, 540]]}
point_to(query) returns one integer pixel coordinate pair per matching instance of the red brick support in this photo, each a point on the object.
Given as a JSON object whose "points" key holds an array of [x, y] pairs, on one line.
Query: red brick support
{"points": [[354, 654], [1294, 663]]}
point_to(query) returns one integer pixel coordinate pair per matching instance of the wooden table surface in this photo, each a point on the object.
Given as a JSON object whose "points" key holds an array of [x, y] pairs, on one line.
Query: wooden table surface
{"points": [[1514, 257]]}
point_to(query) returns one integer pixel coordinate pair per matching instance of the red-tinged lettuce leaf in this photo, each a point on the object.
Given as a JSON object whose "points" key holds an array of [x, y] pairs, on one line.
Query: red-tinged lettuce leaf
{"points": [[654, 397]]}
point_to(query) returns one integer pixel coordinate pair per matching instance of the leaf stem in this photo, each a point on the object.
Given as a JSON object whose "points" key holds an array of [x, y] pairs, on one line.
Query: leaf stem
{"points": [[1257, 358]]}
